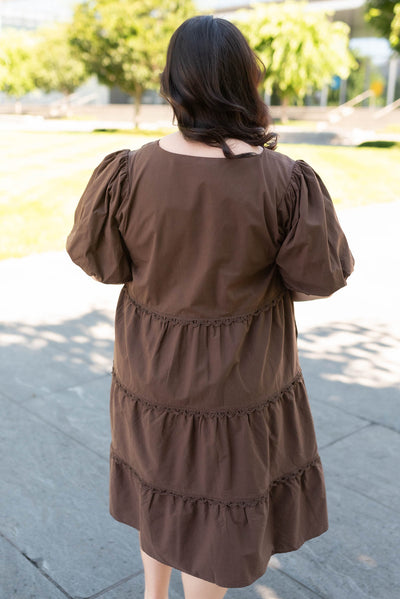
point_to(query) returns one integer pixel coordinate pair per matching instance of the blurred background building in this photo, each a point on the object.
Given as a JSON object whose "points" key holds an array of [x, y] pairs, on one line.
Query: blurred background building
{"points": [[23, 14]]}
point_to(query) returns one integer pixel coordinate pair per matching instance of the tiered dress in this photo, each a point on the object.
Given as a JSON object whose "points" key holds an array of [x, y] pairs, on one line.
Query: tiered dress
{"points": [[213, 451]]}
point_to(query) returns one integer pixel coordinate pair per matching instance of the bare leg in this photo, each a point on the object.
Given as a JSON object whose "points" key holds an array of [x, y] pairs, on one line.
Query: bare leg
{"points": [[196, 588], [156, 577]]}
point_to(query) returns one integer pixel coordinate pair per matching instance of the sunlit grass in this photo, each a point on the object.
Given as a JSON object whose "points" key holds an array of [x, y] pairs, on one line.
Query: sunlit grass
{"points": [[354, 176], [392, 128], [42, 176]]}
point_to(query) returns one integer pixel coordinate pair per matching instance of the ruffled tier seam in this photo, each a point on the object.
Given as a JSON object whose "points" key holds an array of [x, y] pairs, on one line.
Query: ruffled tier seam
{"points": [[285, 479], [228, 412], [222, 320]]}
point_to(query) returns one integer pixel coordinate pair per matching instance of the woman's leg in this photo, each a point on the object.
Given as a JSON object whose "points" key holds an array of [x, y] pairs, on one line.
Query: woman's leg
{"points": [[156, 577], [196, 588]]}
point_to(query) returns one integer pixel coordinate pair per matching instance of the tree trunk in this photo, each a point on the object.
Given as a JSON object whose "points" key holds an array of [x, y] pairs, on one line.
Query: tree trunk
{"points": [[391, 85], [67, 103], [284, 109], [343, 91], [137, 105], [324, 97]]}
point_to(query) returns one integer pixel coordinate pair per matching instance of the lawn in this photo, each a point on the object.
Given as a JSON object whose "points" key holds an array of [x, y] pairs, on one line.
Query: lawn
{"points": [[42, 176]]}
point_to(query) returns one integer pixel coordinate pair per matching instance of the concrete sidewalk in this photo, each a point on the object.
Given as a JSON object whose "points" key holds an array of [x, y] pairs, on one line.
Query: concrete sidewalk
{"points": [[322, 134], [56, 341]]}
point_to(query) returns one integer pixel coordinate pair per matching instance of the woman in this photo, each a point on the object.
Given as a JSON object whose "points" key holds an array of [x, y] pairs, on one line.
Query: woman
{"points": [[213, 455]]}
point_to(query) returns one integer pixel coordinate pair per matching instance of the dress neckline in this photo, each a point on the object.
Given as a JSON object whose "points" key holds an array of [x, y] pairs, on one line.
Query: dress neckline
{"points": [[256, 155]]}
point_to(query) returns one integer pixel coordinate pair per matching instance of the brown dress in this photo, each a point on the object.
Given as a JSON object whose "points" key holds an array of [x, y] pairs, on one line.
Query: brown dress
{"points": [[213, 454]]}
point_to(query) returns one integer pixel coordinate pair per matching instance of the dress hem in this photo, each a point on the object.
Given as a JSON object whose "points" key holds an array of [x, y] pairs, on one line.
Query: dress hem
{"points": [[237, 585]]}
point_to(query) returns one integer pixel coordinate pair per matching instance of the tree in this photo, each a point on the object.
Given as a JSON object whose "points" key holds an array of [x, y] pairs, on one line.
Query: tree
{"points": [[57, 69], [301, 49], [124, 42], [16, 73], [384, 17], [395, 29]]}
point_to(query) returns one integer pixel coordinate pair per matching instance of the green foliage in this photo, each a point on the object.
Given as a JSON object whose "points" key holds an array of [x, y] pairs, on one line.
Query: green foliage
{"points": [[367, 75], [16, 73], [394, 37], [301, 49], [56, 68], [124, 42], [379, 144], [384, 17]]}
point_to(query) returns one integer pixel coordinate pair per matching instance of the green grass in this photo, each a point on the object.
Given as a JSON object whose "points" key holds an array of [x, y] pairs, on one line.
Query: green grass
{"points": [[380, 144], [42, 176], [392, 128], [354, 176]]}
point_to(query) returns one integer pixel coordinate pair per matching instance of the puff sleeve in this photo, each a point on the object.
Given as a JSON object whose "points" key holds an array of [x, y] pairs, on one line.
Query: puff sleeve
{"points": [[95, 242], [314, 257]]}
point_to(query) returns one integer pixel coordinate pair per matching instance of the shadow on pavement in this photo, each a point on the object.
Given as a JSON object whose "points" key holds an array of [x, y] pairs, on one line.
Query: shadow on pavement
{"points": [[56, 436]]}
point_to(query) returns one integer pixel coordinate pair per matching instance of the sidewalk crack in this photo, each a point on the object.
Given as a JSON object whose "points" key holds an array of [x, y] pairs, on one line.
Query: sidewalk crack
{"points": [[115, 585], [361, 428], [36, 565]]}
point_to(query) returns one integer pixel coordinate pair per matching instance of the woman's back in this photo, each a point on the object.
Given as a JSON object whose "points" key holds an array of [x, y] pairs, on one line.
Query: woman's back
{"points": [[208, 403], [207, 237], [203, 232], [213, 454]]}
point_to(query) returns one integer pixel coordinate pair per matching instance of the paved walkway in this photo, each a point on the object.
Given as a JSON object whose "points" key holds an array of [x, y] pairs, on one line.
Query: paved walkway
{"points": [[57, 538], [320, 133]]}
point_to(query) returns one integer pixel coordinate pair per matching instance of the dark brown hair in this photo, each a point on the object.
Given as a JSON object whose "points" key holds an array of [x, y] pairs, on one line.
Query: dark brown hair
{"points": [[211, 80]]}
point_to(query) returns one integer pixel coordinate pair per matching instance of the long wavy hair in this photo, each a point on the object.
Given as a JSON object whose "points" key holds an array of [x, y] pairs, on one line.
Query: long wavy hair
{"points": [[211, 80]]}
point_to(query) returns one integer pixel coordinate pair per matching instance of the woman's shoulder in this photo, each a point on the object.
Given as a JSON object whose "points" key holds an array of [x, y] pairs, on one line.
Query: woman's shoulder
{"points": [[144, 151], [278, 168], [279, 159]]}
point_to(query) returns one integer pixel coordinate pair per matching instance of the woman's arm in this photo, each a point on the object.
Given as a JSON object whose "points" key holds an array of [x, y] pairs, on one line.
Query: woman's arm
{"points": [[304, 297]]}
